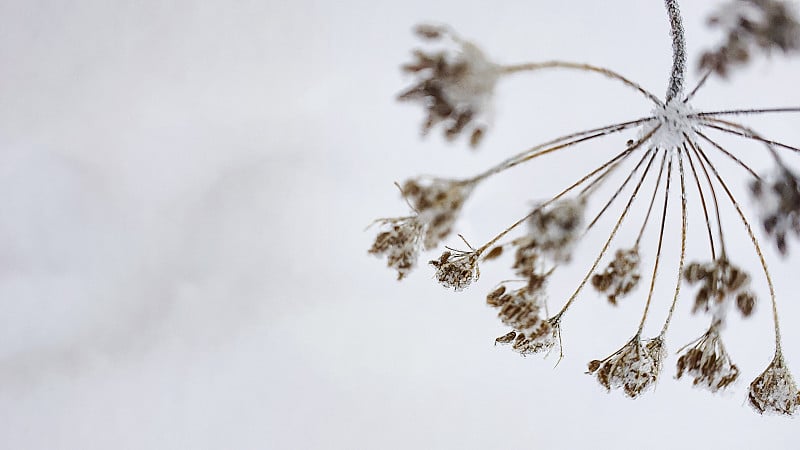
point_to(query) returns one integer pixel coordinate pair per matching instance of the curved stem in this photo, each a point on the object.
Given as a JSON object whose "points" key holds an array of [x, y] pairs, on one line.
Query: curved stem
{"points": [[757, 248], [555, 145], [529, 67], [698, 86], [696, 148], [603, 251], [617, 192], [652, 200], [702, 201], [678, 74], [638, 144], [750, 134], [683, 244], [660, 245], [729, 155]]}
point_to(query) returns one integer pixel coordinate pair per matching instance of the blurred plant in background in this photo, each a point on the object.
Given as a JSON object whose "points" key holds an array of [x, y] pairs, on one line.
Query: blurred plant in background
{"points": [[672, 151]]}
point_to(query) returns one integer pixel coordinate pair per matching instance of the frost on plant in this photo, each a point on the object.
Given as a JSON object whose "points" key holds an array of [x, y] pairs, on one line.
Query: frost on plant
{"points": [[665, 178]]}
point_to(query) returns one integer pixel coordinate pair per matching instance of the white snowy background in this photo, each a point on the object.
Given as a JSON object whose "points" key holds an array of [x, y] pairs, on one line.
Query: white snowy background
{"points": [[184, 188]]}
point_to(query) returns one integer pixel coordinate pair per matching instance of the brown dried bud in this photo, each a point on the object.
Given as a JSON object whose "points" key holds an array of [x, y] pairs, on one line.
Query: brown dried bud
{"points": [[620, 277], [494, 253], [506, 338], [708, 362], [745, 302]]}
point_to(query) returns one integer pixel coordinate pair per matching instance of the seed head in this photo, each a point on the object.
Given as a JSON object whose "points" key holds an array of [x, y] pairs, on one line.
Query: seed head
{"points": [[778, 198], [456, 271], [707, 361], [720, 283], [438, 203], [552, 231], [764, 24], [455, 85], [620, 277], [400, 243], [774, 391]]}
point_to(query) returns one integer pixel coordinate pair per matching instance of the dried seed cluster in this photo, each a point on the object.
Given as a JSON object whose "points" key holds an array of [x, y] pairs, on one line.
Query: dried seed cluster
{"points": [[764, 24], [634, 368], [778, 199], [438, 203], [720, 281], [456, 271], [455, 86], [620, 277], [774, 391], [400, 243], [553, 231], [521, 309], [707, 361]]}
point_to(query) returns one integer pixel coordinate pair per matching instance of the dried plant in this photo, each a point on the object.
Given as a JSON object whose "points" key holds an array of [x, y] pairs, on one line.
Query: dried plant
{"points": [[674, 149]]}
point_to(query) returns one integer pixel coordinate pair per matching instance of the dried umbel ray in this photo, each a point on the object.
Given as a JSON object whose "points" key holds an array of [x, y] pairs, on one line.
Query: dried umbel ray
{"points": [[673, 151]]}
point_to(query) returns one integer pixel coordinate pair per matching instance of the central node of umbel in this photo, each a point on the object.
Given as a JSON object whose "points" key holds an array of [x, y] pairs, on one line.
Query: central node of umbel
{"points": [[675, 122]]}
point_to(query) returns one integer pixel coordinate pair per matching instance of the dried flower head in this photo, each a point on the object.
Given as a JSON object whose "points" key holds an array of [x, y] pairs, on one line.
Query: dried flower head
{"points": [[620, 277], [707, 361], [438, 203], [521, 310], [634, 368], [539, 339], [720, 283], [764, 24], [774, 391], [454, 85], [672, 148], [778, 199], [552, 231], [457, 271], [400, 243]]}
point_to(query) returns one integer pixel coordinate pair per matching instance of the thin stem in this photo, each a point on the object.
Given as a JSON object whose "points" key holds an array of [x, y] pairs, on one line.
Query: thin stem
{"points": [[749, 133], [703, 201], [696, 148], [618, 191], [652, 200], [678, 74], [555, 145], [698, 86], [627, 179], [683, 245], [553, 199], [529, 67], [757, 248], [746, 111], [729, 155], [624, 213], [658, 251]]}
